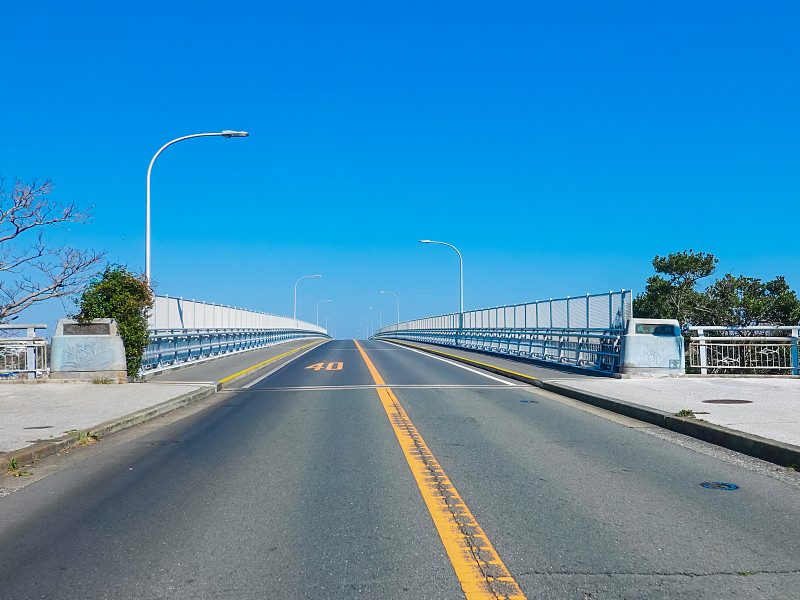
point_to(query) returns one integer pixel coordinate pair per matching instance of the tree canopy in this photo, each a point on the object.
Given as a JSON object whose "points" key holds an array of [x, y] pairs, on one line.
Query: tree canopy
{"points": [[729, 301]]}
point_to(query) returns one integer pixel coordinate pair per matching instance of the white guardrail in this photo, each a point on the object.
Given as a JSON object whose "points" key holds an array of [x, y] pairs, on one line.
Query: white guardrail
{"points": [[188, 331], [23, 357], [759, 350], [582, 331]]}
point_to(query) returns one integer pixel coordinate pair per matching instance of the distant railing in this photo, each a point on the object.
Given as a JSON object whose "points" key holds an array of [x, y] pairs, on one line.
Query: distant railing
{"points": [[177, 313], [581, 331], [189, 331], [597, 350], [23, 357], [758, 350], [169, 348]]}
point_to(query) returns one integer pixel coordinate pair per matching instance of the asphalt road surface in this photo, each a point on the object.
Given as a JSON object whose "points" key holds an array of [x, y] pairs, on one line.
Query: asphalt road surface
{"points": [[368, 470]]}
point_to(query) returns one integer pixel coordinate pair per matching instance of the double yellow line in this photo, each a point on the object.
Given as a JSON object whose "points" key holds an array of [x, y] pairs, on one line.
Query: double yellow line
{"points": [[482, 574]]}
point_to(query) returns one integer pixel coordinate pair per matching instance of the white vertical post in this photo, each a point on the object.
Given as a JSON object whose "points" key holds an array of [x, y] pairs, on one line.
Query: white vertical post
{"points": [[702, 350]]}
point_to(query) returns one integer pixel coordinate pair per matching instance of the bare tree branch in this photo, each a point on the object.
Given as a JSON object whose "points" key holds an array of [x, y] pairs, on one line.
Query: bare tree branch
{"points": [[38, 272]]}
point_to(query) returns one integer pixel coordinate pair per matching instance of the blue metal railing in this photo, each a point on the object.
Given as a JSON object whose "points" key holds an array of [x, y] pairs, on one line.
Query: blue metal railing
{"points": [[580, 331], [593, 349], [169, 348]]}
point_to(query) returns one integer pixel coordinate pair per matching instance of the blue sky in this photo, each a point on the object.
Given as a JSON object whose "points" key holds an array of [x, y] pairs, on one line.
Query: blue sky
{"points": [[558, 145]]}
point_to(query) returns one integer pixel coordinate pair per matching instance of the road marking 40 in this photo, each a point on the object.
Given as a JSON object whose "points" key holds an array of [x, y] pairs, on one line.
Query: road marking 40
{"points": [[334, 366]]}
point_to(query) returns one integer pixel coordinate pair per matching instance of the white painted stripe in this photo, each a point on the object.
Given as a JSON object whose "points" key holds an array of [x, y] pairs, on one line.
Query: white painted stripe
{"points": [[457, 364]]}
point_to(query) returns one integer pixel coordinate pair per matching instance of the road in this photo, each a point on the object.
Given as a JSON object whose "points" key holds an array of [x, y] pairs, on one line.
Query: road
{"points": [[368, 470]]}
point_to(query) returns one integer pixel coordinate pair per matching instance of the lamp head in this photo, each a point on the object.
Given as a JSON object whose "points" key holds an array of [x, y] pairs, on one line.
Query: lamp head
{"points": [[424, 241], [229, 134]]}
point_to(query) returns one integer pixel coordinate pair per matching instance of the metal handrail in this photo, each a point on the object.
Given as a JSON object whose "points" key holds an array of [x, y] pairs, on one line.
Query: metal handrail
{"points": [[760, 354], [178, 346], [595, 349]]}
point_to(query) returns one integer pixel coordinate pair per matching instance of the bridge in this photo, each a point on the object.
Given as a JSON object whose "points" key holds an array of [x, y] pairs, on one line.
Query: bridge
{"points": [[492, 453]]}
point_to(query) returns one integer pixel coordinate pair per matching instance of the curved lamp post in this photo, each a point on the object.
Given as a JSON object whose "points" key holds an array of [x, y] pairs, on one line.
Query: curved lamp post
{"points": [[461, 264], [380, 317], [398, 304], [371, 324], [318, 303], [227, 133], [295, 292], [326, 319]]}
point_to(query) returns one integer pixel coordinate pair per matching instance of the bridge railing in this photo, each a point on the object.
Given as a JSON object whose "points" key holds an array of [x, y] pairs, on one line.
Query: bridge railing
{"points": [[756, 350], [23, 357], [188, 331], [581, 331], [169, 348]]}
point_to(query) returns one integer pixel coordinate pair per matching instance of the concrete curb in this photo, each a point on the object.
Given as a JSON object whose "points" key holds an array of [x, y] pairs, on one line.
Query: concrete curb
{"points": [[773, 451], [30, 454]]}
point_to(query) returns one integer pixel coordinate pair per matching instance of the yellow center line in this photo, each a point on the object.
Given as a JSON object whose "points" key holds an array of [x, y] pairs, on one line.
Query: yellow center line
{"points": [[235, 375], [482, 574]]}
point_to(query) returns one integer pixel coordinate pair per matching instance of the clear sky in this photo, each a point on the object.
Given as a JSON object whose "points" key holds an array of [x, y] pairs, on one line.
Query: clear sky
{"points": [[558, 145]]}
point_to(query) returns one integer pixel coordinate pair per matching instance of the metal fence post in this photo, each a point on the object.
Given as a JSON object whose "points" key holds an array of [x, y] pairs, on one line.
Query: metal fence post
{"points": [[702, 350], [795, 353]]}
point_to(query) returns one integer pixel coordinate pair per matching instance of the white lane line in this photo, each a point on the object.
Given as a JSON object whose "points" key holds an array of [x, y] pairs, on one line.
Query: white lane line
{"points": [[459, 365]]}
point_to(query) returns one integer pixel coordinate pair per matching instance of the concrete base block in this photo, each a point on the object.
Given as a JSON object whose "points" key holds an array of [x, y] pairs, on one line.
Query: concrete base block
{"points": [[115, 376]]}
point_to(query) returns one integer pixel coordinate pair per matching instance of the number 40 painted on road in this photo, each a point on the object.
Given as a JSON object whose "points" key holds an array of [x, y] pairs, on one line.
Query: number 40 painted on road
{"points": [[334, 366]]}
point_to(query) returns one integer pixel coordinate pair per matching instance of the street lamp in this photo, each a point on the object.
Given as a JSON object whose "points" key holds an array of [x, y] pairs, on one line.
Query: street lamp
{"points": [[295, 292], [398, 304], [326, 319], [461, 263], [227, 133], [318, 303], [380, 317], [372, 323]]}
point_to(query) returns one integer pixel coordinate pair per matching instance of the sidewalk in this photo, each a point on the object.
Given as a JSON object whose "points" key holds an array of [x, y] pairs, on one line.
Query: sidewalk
{"points": [[758, 416], [38, 419]]}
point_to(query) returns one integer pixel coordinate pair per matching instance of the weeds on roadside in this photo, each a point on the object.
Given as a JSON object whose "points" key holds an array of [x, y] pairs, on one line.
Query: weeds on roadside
{"points": [[13, 469]]}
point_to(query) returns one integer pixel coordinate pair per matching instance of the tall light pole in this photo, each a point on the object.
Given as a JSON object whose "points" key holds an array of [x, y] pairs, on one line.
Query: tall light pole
{"points": [[318, 303], [398, 304], [326, 319], [227, 133], [371, 322], [295, 292], [380, 317], [461, 264]]}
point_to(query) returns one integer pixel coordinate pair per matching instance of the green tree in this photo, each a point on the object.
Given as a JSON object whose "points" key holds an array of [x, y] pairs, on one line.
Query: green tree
{"points": [[676, 296], [121, 295], [745, 301], [729, 301]]}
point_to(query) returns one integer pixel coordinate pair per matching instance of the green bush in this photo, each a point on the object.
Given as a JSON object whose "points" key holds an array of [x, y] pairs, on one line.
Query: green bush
{"points": [[121, 295]]}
